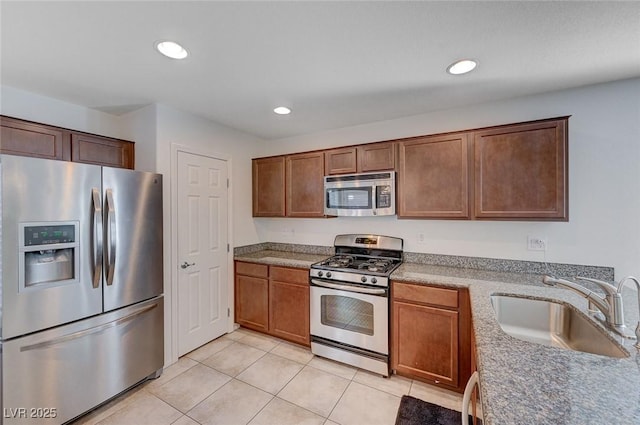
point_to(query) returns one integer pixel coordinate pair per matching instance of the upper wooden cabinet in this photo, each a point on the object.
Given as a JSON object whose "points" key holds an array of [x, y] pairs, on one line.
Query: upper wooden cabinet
{"points": [[289, 186], [305, 185], [521, 171], [376, 157], [433, 176], [360, 159], [31, 139], [43, 141], [509, 172], [92, 149], [269, 187], [340, 161]]}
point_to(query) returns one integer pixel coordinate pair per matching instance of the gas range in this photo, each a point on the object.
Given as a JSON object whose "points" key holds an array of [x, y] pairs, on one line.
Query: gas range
{"points": [[361, 259], [349, 301]]}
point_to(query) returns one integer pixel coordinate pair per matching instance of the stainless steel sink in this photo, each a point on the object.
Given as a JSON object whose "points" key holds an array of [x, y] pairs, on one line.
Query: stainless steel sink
{"points": [[554, 324]]}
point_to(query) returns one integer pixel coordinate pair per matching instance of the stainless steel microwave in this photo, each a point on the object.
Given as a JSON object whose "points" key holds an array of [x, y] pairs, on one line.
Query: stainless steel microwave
{"points": [[366, 194]]}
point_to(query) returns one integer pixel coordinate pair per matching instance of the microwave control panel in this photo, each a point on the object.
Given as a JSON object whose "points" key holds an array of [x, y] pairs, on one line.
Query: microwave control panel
{"points": [[383, 196]]}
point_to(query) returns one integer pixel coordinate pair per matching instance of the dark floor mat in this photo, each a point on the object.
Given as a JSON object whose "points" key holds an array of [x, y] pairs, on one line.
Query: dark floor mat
{"points": [[413, 411]]}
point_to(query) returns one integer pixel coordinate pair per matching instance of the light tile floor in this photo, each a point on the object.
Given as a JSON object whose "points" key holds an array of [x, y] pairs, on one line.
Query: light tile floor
{"points": [[248, 378]]}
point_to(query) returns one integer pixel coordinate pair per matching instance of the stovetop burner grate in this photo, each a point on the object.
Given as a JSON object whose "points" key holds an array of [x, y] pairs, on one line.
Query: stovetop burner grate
{"points": [[359, 264], [339, 261]]}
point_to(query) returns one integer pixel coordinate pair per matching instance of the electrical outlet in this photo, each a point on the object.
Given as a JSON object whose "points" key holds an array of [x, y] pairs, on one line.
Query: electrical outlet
{"points": [[536, 243], [421, 238], [289, 233]]}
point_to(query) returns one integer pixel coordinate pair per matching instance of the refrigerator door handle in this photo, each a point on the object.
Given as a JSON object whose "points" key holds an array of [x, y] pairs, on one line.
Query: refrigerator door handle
{"points": [[96, 329], [111, 237], [97, 237]]}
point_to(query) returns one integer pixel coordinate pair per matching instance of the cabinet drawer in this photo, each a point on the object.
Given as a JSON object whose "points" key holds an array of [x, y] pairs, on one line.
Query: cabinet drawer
{"points": [[252, 269], [425, 294], [284, 274]]}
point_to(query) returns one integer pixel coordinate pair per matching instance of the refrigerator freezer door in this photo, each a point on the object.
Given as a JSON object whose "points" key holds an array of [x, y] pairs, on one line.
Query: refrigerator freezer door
{"points": [[132, 203], [36, 193], [53, 376]]}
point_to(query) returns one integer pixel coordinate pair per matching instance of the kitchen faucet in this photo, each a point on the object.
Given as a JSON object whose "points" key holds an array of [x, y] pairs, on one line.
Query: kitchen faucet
{"points": [[620, 286], [610, 305]]}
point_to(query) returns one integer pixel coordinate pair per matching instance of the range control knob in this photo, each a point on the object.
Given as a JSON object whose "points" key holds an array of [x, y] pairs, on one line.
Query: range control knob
{"points": [[328, 274], [374, 280], [320, 274], [363, 279]]}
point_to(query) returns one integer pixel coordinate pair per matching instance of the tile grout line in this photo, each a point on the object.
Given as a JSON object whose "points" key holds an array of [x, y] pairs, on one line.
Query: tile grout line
{"points": [[167, 403], [340, 398], [279, 343], [204, 399]]}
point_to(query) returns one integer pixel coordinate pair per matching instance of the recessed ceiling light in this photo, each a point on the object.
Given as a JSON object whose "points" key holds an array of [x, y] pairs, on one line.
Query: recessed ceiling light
{"points": [[462, 66], [282, 110], [172, 50]]}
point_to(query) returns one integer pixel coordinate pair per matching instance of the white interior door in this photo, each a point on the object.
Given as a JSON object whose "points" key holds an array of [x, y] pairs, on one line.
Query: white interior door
{"points": [[202, 250]]}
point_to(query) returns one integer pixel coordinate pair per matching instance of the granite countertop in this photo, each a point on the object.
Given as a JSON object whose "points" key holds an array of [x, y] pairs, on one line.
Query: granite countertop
{"points": [[526, 382], [281, 258], [522, 381]]}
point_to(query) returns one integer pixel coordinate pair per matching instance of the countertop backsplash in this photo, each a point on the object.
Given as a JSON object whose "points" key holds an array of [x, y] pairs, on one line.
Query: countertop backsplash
{"points": [[568, 271]]}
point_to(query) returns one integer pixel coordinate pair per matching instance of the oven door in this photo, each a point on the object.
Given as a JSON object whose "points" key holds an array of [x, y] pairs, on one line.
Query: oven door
{"points": [[344, 314]]}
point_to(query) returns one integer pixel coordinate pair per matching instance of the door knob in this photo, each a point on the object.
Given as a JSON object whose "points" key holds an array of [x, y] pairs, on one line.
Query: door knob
{"points": [[185, 265]]}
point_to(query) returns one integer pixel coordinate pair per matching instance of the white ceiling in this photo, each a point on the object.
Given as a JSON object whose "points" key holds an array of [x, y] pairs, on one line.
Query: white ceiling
{"points": [[336, 64]]}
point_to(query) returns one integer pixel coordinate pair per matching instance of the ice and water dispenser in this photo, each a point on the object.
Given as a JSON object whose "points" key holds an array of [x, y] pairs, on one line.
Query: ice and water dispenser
{"points": [[48, 254]]}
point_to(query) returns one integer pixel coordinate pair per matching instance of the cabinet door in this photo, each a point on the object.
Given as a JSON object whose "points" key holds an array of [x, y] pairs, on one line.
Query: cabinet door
{"points": [[340, 161], [99, 150], [289, 311], [425, 342], [433, 177], [305, 185], [252, 302], [376, 157], [268, 187], [30, 139], [521, 171]]}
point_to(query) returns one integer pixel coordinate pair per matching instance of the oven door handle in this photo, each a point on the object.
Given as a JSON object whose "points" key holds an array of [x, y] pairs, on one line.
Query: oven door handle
{"points": [[348, 288]]}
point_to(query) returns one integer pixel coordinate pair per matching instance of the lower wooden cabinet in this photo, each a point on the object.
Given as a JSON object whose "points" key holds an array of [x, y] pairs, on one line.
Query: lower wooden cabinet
{"points": [[430, 334], [273, 300], [252, 296], [289, 304]]}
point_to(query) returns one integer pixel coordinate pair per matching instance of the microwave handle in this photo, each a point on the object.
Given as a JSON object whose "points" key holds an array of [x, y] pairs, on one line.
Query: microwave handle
{"points": [[374, 200]]}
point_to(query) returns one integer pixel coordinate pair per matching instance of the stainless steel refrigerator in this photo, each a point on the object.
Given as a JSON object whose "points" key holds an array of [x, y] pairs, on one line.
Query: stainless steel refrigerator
{"points": [[80, 286]]}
